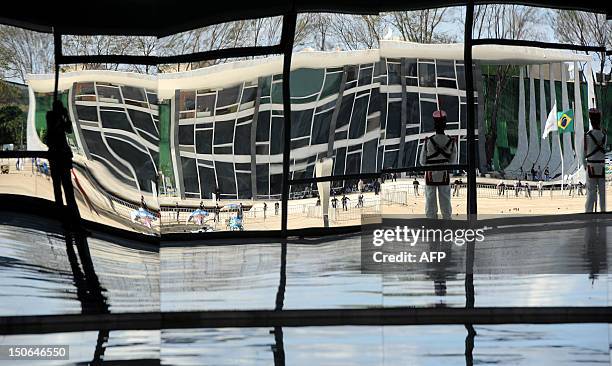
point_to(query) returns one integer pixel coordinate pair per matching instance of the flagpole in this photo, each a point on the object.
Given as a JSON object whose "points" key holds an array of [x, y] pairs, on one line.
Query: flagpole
{"points": [[562, 168]]}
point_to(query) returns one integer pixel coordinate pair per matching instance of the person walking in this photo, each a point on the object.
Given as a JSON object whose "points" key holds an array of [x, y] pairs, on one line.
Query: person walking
{"points": [[594, 162], [376, 187], [345, 200], [580, 189], [456, 187], [439, 149], [517, 188], [415, 187], [527, 190], [540, 186], [176, 208], [265, 209], [276, 208], [334, 202]]}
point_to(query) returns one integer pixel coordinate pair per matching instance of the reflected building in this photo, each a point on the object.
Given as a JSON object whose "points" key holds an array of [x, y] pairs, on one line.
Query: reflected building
{"points": [[220, 128]]}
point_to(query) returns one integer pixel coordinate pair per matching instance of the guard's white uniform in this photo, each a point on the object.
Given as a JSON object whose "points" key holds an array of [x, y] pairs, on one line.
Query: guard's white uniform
{"points": [[594, 155], [438, 149]]}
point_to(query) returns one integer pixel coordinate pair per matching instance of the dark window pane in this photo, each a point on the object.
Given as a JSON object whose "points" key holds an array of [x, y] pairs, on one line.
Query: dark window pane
{"points": [[383, 110], [116, 120], [442, 83], [276, 181], [320, 127], [411, 68], [228, 96], [410, 149], [299, 143], [263, 179], [207, 181], [248, 95], [141, 163], [427, 75], [368, 163], [379, 68], [143, 120], [187, 100], [339, 161], [109, 92], [357, 127], [301, 123], [276, 136], [97, 147], [262, 149], [340, 135], [390, 160], [427, 109], [394, 74], [206, 104], [460, 77], [224, 132], [263, 127], [365, 76], [225, 177], [412, 104], [204, 141], [186, 134], [446, 69], [353, 162], [87, 113], [134, 93], [190, 175], [394, 120], [351, 73], [244, 185], [152, 98], [242, 143], [224, 150], [346, 107], [450, 104]]}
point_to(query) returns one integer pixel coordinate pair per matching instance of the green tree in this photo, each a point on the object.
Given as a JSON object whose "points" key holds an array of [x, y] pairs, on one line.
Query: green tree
{"points": [[12, 125]]}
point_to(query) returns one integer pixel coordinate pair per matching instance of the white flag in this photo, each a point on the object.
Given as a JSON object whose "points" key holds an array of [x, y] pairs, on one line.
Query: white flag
{"points": [[551, 122]]}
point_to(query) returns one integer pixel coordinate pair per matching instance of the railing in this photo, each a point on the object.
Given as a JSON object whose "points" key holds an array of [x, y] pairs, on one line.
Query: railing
{"points": [[402, 193]]}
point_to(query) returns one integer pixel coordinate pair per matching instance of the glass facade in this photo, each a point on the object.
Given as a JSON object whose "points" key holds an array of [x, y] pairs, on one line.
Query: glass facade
{"points": [[367, 117], [220, 129], [119, 127]]}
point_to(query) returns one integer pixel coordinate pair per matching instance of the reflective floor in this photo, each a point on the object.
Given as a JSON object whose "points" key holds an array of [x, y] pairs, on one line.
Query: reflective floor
{"points": [[328, 275], [133, 347], [43, 273], [565, 344], [39, 275]]}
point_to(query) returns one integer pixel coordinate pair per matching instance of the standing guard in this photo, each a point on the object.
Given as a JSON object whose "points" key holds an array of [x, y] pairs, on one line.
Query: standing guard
{"points": [[594, 162], [438, 149]]}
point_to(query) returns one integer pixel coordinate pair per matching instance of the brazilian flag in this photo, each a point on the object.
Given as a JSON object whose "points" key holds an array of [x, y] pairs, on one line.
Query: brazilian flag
{"points": [[565, 121]]}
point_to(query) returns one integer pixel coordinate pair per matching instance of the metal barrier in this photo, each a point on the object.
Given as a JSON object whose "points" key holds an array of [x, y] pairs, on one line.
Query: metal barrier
{"points": [[403, 193]]}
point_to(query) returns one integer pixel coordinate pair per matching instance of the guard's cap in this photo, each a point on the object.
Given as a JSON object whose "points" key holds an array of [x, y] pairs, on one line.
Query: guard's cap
{"points": [[594, 112], [439, 115]]}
